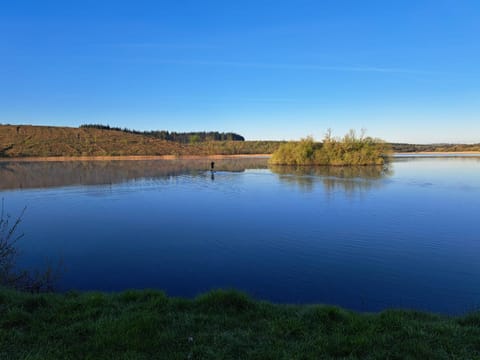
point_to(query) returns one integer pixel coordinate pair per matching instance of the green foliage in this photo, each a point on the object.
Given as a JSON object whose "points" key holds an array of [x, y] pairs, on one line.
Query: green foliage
{"points": [[220, 325], [350, 150], [302, 152]]}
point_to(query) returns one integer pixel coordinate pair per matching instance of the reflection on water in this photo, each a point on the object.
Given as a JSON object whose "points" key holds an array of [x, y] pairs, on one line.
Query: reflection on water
{"points": [[409, 241], [347, 178], [28, 175]]}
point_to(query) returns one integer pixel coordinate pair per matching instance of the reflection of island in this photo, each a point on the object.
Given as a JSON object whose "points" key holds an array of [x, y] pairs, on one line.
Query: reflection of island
{"points": [[347, 178], [24, 175]]}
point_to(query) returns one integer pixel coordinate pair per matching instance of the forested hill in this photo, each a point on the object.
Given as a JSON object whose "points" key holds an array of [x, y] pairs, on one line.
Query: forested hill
{"points": [[28, 140], [181, 137]]}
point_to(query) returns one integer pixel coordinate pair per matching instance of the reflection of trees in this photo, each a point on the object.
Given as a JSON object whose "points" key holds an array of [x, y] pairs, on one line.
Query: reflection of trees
{"points": [[16, 175], [347, 178]]}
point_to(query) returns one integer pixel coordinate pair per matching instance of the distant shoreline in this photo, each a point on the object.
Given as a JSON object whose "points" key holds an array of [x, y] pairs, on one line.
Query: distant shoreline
{"points": [[438, 152], [189, 157], [130, 157]]}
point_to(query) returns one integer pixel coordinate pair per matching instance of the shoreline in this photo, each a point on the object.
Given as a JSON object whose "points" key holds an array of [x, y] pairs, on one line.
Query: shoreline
{"points": [[129, 157], [438, 153], [190, 157]]}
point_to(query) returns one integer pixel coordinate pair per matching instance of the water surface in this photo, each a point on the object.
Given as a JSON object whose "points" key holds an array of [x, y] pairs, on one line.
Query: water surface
{"points": [[366, 238]]}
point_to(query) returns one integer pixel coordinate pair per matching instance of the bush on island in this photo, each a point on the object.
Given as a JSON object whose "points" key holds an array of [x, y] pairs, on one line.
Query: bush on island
{"points": [[349, 150]]}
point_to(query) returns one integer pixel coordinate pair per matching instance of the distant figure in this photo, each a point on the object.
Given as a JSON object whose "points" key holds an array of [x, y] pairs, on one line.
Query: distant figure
{"points": [[212, 171]]}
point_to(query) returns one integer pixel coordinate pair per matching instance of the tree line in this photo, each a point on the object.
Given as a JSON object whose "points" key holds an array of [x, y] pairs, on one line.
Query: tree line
{"points": [[180, 137]]}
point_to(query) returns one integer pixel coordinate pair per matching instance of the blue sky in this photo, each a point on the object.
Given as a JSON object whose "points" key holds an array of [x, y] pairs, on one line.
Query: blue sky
{"points": [[404, 70]]}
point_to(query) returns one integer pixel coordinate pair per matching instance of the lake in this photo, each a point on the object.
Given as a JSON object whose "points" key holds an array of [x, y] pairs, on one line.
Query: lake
{"points": [[369, 238]]}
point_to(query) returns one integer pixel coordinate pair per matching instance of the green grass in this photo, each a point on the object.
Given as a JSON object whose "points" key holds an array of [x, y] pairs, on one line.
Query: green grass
{"points": [[220, 325]]}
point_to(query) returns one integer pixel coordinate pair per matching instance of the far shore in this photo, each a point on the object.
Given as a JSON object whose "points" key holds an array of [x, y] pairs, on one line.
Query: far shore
{"points": [[191, 157], [437, 152], [131, 157]]}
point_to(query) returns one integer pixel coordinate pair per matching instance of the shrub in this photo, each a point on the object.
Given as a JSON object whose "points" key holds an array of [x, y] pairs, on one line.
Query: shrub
{"points": [[302, 152], [33, 281], [8, 250], [350, 150]]}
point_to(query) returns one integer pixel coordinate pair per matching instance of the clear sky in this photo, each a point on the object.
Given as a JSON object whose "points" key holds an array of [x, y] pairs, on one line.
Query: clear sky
{"points": [[405, 70]]}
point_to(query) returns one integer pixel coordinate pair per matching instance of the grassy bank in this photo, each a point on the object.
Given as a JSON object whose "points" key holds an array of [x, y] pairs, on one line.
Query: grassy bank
{"points": [[219, 325]]}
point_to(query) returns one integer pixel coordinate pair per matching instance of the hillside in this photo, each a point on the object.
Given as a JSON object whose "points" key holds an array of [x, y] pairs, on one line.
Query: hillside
{"points": [[41, 141], [28, 140], [181, 137]]}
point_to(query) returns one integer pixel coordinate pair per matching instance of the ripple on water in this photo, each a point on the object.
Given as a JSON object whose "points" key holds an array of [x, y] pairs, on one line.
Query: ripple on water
{"points": [[407, 237]]}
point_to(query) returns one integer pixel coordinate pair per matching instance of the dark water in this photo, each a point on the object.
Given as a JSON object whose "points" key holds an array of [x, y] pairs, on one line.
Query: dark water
{"points": [[363, 238]]}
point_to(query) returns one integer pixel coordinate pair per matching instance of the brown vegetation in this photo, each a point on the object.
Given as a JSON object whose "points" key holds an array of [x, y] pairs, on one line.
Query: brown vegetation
{"points": [[34, 141], [45, 141]]}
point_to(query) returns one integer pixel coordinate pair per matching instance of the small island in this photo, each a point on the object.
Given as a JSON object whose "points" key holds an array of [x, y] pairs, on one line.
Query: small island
{"points": [[347, 151]]}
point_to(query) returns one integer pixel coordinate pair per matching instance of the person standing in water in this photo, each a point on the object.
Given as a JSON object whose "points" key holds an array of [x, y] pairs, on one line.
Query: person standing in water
{"points": [[212, 172]]}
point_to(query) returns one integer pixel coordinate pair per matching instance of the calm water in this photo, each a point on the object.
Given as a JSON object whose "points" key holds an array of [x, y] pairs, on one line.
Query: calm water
{"points": [[366, 239]]}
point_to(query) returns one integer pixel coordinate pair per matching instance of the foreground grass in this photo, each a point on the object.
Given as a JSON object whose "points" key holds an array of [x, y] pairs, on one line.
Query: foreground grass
{"points": [[220, 325]]}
